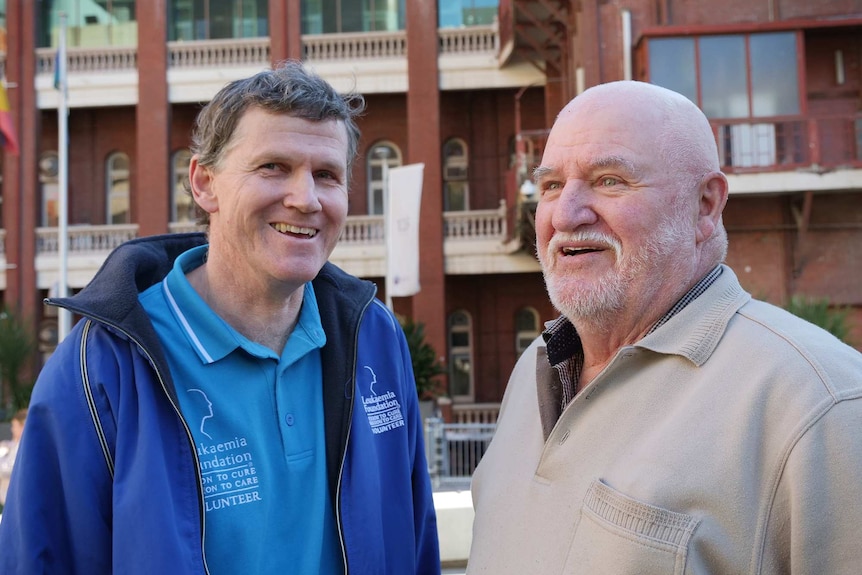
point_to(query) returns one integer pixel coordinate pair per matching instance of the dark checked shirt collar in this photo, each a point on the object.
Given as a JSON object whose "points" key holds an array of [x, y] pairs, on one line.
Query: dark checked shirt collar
{"points": [[566, 354]]}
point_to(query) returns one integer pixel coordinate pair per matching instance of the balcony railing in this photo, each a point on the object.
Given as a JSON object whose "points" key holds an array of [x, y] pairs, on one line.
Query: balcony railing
{"points": [[85, 239], [358, 231], [357, 46], [256, 51], [210, 53], [770, 144], [476, 224], [789, 143]]}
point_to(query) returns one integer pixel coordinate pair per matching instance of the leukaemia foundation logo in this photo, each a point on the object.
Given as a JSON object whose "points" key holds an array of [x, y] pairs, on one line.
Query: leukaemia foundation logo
{"points": [[382, 409]]}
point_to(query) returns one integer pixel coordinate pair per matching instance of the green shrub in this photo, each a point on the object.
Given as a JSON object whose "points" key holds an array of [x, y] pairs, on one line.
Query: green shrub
{"points": [[818, 311], [426, 366], [17, 343]]}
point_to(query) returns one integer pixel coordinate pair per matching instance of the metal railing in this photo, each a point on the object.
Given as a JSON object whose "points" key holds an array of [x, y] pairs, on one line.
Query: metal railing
{"points": [[454, 450], [85, 238], [781, 143], [199, 54], [475, 412], [358, 230], [788, 143]]}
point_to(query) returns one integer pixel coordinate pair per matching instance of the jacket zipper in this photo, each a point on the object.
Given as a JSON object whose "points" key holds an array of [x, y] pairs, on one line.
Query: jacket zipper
{"points": [[189, 437], [347, 442]]}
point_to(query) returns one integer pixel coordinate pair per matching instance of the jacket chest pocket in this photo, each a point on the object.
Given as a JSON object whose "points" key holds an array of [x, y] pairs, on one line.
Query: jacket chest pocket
{"points": [[618, 535]]}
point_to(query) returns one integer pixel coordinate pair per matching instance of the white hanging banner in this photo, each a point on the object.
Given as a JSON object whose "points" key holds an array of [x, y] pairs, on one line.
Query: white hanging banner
{"points": [[404, 197]]}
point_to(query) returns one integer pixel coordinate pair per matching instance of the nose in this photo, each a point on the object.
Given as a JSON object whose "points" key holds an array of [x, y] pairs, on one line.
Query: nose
{"points": [[301, 192], [574, 207]]}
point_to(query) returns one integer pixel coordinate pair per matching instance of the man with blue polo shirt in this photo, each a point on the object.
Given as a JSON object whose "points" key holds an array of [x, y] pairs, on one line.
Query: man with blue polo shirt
{"points": [[263, 459], [232, 402]]}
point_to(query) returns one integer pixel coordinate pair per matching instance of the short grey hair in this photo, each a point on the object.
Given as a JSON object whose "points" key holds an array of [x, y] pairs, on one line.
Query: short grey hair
{"points": [[285, 89]]}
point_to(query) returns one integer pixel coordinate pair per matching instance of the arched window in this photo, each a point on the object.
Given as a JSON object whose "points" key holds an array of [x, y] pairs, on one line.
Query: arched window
{"points": [[182, 205], [117, 189], [455, 161], [526, 329], [49, 169], [381, 154], [461, 356]]}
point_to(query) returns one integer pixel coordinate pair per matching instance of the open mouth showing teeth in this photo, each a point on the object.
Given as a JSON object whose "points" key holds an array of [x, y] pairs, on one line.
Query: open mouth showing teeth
{"points": [[579, 251], [289, 229]]}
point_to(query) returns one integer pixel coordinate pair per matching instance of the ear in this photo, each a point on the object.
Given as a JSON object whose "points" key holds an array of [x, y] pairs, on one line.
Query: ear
{"points": [[713, 197], [201, 182]]}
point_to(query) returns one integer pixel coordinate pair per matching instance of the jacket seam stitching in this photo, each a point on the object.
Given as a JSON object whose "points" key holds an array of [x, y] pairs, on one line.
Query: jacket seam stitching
{"points": [[91, 404]]}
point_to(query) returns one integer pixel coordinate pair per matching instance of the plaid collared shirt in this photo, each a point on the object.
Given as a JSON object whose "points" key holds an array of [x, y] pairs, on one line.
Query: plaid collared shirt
{"points": [[566, 354]]}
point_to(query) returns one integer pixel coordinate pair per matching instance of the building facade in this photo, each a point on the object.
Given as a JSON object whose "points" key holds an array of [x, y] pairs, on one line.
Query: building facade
{"points": [[467, 87]]}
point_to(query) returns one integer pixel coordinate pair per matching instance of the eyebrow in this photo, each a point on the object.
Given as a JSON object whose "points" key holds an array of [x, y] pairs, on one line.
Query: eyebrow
{"points": [[600, 163], [540, 172], [614, 162]]}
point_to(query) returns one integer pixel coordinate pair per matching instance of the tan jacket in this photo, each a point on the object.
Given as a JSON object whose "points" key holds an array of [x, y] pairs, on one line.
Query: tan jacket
{"points": [[728, 441]]}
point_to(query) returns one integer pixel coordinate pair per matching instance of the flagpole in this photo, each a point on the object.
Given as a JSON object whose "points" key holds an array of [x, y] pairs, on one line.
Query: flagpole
{"points": [[383, 153], [63, 315]]}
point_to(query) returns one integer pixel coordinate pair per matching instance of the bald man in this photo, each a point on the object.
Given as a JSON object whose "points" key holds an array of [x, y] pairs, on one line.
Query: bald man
{"points": [[666, 422]]}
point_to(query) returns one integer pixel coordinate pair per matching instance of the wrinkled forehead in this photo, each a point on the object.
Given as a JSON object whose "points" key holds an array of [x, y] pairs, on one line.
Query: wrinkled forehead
{"points": [[607, 128]]}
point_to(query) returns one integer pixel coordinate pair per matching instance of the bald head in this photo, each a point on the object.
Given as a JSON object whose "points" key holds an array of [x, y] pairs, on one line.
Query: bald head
{"points": [[679, 129], [629, 211]]}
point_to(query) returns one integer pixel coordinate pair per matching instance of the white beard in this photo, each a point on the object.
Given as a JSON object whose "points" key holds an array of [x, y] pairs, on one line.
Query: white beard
{"points": [[595, 302]]}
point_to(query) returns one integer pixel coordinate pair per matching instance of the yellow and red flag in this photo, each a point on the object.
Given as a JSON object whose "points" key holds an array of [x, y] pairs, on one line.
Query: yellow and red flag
{"points": [[8, 139]]}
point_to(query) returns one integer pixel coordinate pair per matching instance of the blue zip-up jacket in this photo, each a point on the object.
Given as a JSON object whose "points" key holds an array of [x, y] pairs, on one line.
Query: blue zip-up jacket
{"points": [[107, 479]]}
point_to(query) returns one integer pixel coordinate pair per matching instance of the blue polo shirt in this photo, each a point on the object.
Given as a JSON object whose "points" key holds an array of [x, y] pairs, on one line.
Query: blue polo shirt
{"points": [[257, 421]]}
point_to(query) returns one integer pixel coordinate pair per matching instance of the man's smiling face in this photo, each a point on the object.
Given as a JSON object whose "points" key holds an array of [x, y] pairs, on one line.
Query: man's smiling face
{"points": [[611, 223], [277, 198]]}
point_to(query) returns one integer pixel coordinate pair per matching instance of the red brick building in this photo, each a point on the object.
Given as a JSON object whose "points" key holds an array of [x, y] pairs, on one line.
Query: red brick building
{"points": [[467, 87]]}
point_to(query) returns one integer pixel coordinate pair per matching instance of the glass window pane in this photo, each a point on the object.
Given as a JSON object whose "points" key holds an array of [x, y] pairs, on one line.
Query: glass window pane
{"points": [[724, 92], [449, 13], [460, 339], [118, 189], [671, 65], [456, 197], [351, 15], [312, 17], [774, 84], [460, 375], [481, 13], [221, 20], [525, 320], [459, 318], [181, 24]]}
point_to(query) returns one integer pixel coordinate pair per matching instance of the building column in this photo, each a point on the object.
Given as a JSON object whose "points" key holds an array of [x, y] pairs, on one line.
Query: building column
{"points": [[20, 182], [285, 30], [423, 146], [21, 198], [151, 194]]}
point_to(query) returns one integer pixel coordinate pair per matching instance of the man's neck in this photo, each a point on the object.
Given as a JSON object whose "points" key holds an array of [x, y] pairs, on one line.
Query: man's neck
{"points": [[263, 315]]}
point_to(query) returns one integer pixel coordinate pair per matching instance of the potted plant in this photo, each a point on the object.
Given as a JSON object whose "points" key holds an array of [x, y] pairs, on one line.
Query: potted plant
{"points": [[426, 365]]}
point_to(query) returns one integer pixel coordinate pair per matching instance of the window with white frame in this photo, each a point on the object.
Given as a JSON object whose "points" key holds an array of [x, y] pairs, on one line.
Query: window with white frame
{"points": [[735, 77], [49, 187], [461, 356], [526, 328], [182, 205], [455, 186], [117, 189], [380, 158]]}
